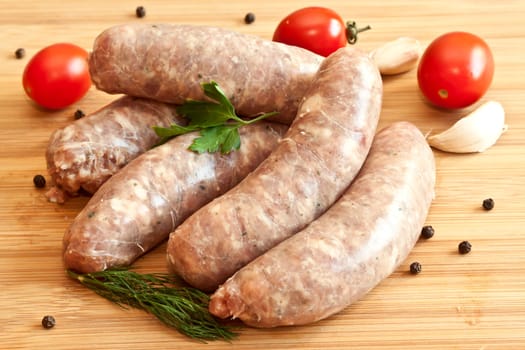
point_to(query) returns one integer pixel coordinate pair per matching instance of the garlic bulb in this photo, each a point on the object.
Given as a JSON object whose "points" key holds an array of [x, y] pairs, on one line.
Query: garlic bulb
{"points": [[475, 132]]}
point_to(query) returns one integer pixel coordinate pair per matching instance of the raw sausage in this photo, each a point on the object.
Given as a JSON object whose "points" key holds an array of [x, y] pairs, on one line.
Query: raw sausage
{"points": [[339, 257], [139, 206], [317, 159], [84, 154], [168, 62]]}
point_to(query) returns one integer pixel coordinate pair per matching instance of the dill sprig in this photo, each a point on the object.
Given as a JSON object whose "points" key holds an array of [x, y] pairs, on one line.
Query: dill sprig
{"points": [[183, 308]]}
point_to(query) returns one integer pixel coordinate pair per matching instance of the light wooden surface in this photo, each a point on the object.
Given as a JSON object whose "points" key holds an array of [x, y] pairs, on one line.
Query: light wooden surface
{"points": [[475, 301]]}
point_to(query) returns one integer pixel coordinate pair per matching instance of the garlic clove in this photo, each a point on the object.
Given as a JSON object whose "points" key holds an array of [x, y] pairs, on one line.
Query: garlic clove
{"points": [[397, 56], [475, 132]]}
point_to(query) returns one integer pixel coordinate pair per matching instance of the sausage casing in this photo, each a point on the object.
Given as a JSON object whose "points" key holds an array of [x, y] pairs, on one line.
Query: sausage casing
{"points": [[317, 159], [339, 257], [168, 62], [84, 154], [138, 207]]}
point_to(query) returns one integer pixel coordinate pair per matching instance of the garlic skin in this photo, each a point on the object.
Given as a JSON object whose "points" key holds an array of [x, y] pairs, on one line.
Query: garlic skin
{"points": [[475, 132], [397, 56]]}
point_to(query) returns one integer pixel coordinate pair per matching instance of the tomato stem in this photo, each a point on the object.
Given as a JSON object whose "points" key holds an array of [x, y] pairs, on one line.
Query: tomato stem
{"points": [[352, 31]]}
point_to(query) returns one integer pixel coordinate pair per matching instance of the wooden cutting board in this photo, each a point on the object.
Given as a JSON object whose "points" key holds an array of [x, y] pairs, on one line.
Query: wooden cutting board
{"points": [[474, 301]]}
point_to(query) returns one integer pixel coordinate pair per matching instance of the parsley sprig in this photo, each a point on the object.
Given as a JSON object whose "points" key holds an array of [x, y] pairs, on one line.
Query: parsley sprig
{"points": [[216, 120]]}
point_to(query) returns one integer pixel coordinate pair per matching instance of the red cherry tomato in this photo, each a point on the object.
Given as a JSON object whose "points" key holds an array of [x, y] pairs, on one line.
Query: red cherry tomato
{"points": [[455, 70], [317, 29], [57, 76]]}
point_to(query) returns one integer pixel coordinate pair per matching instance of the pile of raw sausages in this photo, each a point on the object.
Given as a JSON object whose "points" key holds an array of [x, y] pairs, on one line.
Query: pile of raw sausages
{"points": [[312, 211]]}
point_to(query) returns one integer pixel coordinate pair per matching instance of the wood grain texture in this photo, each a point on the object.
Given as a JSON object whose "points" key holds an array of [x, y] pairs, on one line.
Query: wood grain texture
{"points": [[474, 301]]}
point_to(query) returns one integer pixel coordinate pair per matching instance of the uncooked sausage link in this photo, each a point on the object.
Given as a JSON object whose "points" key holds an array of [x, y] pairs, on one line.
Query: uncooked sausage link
{"points": [[168, 62], [314, 163], [87, 152], [140, 205], [339, 257]]}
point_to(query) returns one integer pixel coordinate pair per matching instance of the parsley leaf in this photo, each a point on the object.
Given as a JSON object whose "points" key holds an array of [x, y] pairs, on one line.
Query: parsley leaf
{"points": [[216, 120], [225, 138], [173, 130], [203, 113]]}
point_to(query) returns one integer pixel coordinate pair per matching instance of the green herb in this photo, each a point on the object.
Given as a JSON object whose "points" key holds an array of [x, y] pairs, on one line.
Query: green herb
{"points": [[184, 308], [216, 120]]}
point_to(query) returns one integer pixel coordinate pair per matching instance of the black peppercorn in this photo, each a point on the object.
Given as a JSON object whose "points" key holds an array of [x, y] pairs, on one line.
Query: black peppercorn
{"points": [[20, 53], [249, 18], [140, 11], [427, 232], [488, 204], [48, 322], [39, 181], [415, 268], [79, 114], [464, 247]]}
